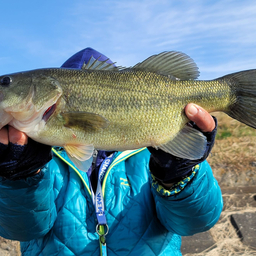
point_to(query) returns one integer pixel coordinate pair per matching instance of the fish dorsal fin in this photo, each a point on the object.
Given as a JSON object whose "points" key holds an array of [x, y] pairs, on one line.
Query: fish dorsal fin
{"points": [[176, 65], [80, 155], [189, 143], [84, 120], [96, 64]]}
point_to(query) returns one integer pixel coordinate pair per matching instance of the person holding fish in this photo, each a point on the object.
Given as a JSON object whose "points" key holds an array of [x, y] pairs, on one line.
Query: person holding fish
{"points": [[139, 201]]}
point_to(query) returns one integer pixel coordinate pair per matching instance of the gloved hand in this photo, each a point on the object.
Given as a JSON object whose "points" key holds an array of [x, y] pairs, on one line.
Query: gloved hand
{"points": [[170, 169], [23, 157]]}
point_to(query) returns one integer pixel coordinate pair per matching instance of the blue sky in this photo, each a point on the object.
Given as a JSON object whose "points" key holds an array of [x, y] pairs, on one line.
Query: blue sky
{"points": [[219, 35]]}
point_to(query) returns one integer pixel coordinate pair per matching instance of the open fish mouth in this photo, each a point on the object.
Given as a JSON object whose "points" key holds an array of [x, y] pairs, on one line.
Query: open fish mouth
{"points": [[49, 111]]}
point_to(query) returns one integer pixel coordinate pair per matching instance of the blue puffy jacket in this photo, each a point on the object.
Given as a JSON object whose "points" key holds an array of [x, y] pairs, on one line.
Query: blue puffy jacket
{"points": [[53, 214]]}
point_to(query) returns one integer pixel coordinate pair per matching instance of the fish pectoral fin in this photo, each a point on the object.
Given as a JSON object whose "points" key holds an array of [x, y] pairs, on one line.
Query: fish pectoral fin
{"points": [[80, 155], [84, 120], [176, 65], [189, 143]]}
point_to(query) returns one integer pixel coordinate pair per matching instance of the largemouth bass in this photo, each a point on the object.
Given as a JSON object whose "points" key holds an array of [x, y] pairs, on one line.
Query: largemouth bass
{"points": [[107, 108]]}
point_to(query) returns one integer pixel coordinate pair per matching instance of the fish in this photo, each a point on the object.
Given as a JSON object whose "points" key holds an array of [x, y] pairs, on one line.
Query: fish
{"points": [[106, 107]]}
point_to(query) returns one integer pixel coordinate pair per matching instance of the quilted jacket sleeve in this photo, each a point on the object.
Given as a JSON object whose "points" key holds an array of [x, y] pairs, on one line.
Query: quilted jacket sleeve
{"points": [[195, 209], [27, 209]]}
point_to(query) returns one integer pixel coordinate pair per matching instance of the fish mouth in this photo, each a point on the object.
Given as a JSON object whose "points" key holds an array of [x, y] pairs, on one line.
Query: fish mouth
{"points": [[48, 113]]}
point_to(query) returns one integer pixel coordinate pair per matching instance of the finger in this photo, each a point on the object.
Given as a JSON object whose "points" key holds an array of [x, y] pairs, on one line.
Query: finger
{"points": [[17, 137], [200, 116], [4, 135]]}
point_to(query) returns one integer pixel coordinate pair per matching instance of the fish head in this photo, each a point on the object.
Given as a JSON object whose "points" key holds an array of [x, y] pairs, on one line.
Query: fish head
{"points": [[26, 97]]}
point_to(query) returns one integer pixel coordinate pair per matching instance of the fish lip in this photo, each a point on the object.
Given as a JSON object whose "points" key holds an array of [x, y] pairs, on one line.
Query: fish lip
{"points": [[48, 112]]}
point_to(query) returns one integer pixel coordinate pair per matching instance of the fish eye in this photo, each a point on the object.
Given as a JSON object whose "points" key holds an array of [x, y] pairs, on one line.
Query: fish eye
{"points": [[6, 81]]}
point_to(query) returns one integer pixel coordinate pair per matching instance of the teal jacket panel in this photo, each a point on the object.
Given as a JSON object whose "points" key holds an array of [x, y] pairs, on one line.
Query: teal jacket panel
{"points": [[53, 212]]}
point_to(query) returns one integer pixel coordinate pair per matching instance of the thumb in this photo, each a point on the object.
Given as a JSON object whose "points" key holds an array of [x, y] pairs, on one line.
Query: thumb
{"points": [[17, 137], [200, 116]]}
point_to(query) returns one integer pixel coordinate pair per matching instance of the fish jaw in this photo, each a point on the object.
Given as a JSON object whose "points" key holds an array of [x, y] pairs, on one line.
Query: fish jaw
{"points": [[24, 108], [32, 121], [26, 116], [22, 111]]}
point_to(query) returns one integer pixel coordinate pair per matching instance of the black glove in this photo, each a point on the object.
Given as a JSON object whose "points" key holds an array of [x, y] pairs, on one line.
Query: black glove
{"points": [[18, 162], [170, 169]]}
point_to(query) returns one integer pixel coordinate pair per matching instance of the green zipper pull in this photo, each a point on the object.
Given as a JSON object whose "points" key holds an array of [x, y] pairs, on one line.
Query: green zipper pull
{"points": [[100, 229]]}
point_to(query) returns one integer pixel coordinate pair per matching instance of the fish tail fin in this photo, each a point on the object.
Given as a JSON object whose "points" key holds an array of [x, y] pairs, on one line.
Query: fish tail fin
{"points": [[243, 84]]}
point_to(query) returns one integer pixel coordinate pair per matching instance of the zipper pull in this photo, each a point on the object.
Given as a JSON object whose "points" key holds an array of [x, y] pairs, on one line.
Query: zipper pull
{"points": [[100, 229]]}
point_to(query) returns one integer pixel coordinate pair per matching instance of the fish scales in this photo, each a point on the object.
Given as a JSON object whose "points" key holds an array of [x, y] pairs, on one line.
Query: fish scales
{"points": [[122, 109], [137, 104]]}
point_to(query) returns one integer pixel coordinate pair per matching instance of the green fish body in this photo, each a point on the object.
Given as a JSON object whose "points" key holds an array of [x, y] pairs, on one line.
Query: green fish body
{"points": [[112, 109]]}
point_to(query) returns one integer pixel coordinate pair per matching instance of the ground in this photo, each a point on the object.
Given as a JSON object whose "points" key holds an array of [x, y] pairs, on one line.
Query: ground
{"points": [[233, 161]]}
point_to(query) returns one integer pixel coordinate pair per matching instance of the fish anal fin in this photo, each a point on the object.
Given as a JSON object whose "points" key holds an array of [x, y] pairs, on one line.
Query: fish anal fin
{"points": [[84, 120], [189, 143]]}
